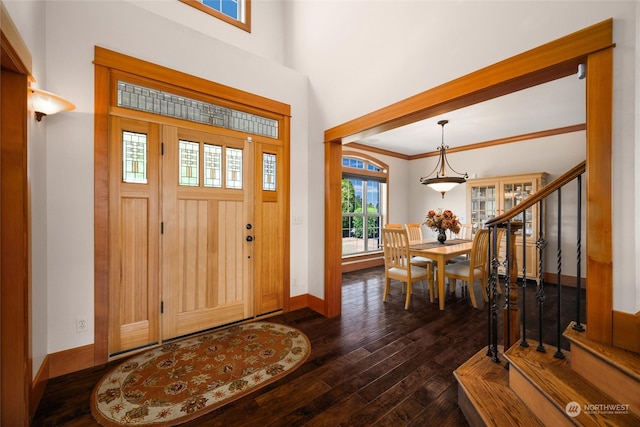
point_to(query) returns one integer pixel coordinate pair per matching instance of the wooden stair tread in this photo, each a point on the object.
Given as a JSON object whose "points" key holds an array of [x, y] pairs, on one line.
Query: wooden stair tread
{"points": [[555, 379], [625, 360], [486, 385]]}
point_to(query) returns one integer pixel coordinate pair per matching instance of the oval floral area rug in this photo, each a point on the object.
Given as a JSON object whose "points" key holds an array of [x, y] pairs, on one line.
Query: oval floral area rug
{"points": [[182, 380]]}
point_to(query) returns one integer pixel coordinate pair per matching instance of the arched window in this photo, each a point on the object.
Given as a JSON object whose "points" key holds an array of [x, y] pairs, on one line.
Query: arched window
{"points": [[364, 203]]}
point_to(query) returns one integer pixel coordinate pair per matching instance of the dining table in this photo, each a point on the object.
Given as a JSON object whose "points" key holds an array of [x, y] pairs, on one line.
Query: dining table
{"points": [[440, 253]]}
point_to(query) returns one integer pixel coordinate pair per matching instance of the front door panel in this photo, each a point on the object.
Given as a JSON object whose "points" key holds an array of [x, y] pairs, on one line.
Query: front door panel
{"points": [[206, 256]]}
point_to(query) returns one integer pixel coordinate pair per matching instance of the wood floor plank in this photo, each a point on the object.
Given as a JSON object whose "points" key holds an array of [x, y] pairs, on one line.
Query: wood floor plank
{"points": [[376, 364]]}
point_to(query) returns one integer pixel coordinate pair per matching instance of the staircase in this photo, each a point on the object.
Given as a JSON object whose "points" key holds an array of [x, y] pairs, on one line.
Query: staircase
{"points": [[594, 385]]}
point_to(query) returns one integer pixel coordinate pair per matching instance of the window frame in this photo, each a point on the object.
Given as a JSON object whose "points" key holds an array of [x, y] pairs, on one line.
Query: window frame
{"points": [[367, 175], [246, 25]]}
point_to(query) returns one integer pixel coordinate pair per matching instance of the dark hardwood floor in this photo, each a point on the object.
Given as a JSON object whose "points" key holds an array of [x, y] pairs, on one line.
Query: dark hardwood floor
{"points": [[376, 364]]}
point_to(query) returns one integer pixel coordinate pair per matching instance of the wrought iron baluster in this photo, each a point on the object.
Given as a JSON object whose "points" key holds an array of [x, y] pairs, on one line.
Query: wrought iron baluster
{"points": [[577, 326], [494, 297], [559, 354], [488, 289], [524, 342], [541, 244], [507, 291]]}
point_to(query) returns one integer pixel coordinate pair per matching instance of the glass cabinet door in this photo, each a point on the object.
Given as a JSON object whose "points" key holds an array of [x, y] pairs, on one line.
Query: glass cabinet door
{"points": [[514, 193], [483, 205]]}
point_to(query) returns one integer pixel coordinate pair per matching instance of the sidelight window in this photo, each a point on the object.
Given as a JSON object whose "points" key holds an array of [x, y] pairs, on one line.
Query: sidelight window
{"points": [[134, 157]]}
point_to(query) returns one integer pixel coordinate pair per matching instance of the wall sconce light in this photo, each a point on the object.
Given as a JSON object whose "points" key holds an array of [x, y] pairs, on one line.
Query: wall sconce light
{"points": [[46, 103]]}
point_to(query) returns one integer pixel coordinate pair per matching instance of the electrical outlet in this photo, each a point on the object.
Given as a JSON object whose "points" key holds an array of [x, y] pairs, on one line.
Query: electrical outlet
{"points": [[81, 324]]}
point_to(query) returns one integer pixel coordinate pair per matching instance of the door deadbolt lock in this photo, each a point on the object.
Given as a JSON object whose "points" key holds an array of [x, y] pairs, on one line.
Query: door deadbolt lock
{"points": [[249, 226]]}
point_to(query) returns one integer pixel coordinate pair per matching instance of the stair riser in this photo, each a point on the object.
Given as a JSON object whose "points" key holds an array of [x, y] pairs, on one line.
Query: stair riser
{"points": [[468, 409], [545, 410], [612, 381]]}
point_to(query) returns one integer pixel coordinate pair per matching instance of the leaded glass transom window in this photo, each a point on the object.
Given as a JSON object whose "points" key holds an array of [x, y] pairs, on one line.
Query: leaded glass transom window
{"points": [[155, 101], [268, 172], [134, 157], [189, 163], [234, 167], [212, 166]]}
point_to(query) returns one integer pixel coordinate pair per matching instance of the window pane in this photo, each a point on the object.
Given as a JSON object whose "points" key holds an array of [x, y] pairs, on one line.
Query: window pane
{"points": [[348, 196], [189, 163], [212, 166], [269, 172], [373, 233], [358, 194], [228, 7], [234, 168], [352, 163], [363, 200], [134, 157], [373, 197]]}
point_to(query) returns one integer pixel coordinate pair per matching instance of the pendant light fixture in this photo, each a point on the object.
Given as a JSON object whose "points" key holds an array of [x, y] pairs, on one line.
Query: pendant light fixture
{"points": [[442, 182]]}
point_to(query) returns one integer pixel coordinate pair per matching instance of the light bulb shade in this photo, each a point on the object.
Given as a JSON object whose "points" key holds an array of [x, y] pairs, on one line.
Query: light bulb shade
{"points": [[46, 103], [443, 187], [444, 184]]}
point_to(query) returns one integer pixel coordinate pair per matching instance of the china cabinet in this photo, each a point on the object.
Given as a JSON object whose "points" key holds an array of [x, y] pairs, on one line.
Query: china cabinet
{"points": [[489, 197]]}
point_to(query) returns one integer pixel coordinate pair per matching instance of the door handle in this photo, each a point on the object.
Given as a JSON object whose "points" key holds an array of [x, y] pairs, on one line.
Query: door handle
{"points": [[249, 238]]}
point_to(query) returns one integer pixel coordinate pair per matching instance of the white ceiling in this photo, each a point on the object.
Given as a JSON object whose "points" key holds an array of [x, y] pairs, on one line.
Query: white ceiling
{"points": [[551, 105]]}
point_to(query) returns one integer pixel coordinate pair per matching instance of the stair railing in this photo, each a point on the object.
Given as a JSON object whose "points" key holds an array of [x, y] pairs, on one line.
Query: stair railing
{"points": [[514, 322]]}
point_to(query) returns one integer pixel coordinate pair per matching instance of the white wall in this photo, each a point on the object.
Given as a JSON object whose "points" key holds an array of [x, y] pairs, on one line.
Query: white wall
{"points": [[266, 38]]}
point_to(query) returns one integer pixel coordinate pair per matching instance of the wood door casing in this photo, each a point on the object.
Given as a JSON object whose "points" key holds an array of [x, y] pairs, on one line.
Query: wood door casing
{"points": [[112, 66], [206, 260], [133, 243]]}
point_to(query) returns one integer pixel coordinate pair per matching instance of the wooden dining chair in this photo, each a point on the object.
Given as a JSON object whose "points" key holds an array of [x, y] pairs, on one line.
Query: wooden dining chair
{"points": [[466, 234], [475, 268], [414, 231], [398, 266]]}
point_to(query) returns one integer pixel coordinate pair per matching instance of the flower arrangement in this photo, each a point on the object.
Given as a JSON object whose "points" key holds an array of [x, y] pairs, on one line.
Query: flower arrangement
{"points": [[439, 220]]}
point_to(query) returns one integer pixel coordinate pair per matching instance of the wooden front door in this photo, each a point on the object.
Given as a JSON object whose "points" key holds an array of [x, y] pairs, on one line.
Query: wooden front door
{"points": [[181, 232], [207, 239]]}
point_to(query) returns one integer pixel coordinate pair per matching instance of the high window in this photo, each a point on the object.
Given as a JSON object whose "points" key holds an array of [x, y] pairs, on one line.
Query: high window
{"points": [[234, 12], [364, 203]]}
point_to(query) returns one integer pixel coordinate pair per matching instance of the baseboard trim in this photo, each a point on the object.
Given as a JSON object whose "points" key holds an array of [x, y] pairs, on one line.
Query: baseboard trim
{"points": [[360, 263], [71, 360], [307, 300], [38, 385], [626, 330], [566, 280]]}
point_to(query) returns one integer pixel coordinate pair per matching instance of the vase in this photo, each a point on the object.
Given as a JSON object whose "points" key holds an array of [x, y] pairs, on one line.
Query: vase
{"points": [[442, 236]]}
